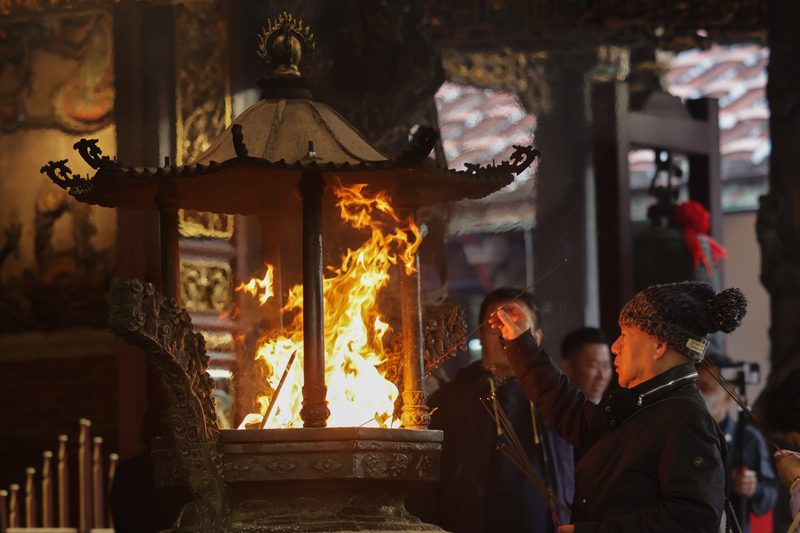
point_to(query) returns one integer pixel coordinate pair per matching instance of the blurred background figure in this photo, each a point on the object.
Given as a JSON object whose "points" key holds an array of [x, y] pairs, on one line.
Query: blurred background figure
{"points": [[778, 412], [586, 361], [480, 490], [754, 486]]}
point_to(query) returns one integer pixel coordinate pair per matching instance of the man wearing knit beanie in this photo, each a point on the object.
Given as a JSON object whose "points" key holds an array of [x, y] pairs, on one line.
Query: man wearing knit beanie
{"points": [[653, 457]]}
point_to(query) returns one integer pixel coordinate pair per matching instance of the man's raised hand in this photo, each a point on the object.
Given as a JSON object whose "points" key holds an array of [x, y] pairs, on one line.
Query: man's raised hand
{"points": [[511, 320]]}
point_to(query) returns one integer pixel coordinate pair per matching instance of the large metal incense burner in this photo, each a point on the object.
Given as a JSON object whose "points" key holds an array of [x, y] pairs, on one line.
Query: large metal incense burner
{"points": [[313, 478], [327, 479]]}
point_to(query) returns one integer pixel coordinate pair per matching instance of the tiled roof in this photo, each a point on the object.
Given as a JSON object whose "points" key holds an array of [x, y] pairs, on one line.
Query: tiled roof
{"points": [[736, 76], [479, 126]]}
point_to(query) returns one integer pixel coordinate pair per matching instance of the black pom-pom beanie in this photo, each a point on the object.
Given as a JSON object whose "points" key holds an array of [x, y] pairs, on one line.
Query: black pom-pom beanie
{"points": [[682, 314]]}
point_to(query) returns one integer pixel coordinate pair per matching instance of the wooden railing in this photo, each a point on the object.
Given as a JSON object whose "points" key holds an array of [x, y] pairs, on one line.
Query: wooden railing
{"points": [[43, 505]]}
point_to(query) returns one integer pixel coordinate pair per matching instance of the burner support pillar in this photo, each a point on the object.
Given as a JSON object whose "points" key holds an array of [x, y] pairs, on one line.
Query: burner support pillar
{"points": [[315, 410]]}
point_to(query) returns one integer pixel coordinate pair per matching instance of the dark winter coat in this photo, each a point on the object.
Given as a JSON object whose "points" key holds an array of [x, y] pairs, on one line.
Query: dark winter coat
{"points": [[652, 458], [479, 489]]}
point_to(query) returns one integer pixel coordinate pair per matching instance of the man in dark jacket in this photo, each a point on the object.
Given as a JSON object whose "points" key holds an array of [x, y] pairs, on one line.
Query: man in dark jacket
{"points": [[653, 457], [753, 483], [480, 490]]}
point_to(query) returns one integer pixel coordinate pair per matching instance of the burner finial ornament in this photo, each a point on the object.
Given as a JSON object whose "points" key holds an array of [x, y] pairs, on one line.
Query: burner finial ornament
{"points": [[285, 44]]}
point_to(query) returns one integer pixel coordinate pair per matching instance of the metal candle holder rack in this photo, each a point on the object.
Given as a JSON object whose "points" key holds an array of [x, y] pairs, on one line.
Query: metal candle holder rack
{"points": [[42, 505]]}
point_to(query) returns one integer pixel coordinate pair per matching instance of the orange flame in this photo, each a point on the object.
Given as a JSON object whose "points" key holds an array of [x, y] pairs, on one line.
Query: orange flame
{"points": [[358, 395], [265, 286]]}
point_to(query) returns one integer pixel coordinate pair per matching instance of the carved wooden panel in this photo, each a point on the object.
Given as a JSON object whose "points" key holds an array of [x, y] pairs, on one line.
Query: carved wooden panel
{"points": [[203, 107], [570, 24]]}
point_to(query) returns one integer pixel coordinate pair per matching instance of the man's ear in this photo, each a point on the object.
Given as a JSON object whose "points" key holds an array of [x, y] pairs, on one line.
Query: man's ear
{"points": [[661, 349], [538, 334]]}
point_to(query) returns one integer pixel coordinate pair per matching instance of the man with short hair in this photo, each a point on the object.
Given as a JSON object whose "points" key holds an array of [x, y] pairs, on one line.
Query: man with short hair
{"points": [[480, 490], [653, 458], [586, 361]]}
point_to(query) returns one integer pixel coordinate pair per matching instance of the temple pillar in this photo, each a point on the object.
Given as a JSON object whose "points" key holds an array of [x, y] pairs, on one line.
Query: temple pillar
{"points": [[562, 198], [315, 410], [143, 93], [778, 223]]}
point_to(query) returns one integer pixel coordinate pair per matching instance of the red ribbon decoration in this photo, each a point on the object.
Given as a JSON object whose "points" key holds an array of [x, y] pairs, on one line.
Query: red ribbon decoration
{"points": [[695, 221]]}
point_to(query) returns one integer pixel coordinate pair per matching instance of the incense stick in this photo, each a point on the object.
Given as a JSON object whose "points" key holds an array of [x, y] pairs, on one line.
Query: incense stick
{"points": [[520, 449], [474, 331], [519, 458], [717, 375], [715, 372], [508, 455], [277, 391], [524, 455]]}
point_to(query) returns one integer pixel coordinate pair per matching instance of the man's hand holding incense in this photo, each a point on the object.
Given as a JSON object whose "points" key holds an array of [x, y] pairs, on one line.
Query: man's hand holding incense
{"points": [[788, 466], [511, 320]]}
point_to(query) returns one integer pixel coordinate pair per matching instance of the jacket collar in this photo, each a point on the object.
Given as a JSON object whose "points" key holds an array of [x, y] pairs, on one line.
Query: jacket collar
{"points": [[631, 400], [656, 387]]}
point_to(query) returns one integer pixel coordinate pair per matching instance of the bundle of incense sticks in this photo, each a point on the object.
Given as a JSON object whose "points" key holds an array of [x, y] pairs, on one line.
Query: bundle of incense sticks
{"points": [[518, 457], [717, 375]]}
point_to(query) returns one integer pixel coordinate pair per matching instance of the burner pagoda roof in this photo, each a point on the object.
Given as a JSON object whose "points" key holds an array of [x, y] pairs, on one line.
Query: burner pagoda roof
{"points": [[255, 165]]}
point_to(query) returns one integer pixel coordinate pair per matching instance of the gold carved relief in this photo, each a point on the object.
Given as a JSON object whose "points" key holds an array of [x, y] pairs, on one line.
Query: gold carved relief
{"points": [[205, 225], [24, 8], [219, 341], [505, 69], [202, 87], [206, 286], [203, 111]]}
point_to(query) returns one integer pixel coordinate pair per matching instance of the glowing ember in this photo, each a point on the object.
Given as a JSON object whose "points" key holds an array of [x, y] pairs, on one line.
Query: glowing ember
{"points": [[358, 395]]}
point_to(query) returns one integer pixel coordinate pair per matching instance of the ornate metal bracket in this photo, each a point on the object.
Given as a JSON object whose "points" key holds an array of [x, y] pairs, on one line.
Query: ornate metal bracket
{"points": [[520, 160], [420, 145], [165, 332], [90, 153], [60, 174], [443, 329]]}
